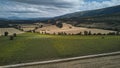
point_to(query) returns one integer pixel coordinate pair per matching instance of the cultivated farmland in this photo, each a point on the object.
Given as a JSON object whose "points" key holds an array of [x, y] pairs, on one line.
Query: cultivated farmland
{"points": [[27, 27], [10, 31], [29, 47], [69, 29]]}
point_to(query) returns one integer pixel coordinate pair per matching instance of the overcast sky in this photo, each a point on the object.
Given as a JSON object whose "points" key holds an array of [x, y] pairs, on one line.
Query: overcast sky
{"points": [[49, 8]]}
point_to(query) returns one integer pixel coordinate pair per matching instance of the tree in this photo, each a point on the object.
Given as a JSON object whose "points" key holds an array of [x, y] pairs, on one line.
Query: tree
{"points": [[59, 24], [85, 32], [111, 33], [33, 31], [45, 32], [6, 33], [14, 35], [89, 33], [117, 33], [40, 26], [11, 37], [59, 33], [94, 34], [64, 33], [42, 33], [99, 33], [79, 33], [36, 28], [54, 33], [104, 34]]}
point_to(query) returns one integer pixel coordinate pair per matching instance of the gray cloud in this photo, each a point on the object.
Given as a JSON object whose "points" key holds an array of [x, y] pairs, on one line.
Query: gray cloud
{"points": [[24, 12], [49, 8], [20, 12], [56, 3]]}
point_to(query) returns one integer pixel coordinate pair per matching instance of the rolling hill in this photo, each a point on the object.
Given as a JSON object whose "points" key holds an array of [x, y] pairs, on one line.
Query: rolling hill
{"points": [[90, 13], [106, 18]]}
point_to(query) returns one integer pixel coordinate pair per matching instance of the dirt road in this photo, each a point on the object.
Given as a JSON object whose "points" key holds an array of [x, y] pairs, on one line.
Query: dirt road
{"points": [[106, 60]]}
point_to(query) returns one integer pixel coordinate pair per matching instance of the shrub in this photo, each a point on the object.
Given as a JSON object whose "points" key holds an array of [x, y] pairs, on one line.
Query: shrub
{"points": [[14, 35], [79, 33], [89, 33], [6, 33], [85, 32], [59, 24], [117, 33], [11, 37]]}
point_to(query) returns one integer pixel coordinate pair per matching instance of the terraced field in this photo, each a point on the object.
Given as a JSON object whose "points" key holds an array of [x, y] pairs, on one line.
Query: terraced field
{"points": [[29, 47], [10, 31]]}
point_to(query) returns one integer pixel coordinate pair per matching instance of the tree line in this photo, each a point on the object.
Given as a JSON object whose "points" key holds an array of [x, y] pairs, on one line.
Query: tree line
{"points": [[90, 33], [84, 33], [11, 37]]}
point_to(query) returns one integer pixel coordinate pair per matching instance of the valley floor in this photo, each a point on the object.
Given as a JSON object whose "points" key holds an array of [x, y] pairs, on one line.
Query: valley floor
{"points": [[32, 47]]}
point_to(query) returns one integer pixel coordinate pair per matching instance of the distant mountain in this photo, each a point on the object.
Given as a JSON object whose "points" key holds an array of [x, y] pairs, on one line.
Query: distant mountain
{"points": [[98, 12], [106, 18], [23, 18], [16, 20]]}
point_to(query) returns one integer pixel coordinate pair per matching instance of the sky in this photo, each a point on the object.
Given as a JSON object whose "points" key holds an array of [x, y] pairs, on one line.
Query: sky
{"points": [[49, 8]]}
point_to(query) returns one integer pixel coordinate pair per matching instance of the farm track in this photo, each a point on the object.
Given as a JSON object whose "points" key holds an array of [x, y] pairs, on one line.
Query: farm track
{"points": [[106, 60]]}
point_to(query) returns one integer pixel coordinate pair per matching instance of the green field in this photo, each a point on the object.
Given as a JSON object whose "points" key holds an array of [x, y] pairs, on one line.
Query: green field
{"points": [[30, 47]]}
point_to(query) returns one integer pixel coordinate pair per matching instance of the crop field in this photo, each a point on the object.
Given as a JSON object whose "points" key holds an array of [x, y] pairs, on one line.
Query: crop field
{"points": [[69, 29], [28, 27], [10, 31], [29, 47]]}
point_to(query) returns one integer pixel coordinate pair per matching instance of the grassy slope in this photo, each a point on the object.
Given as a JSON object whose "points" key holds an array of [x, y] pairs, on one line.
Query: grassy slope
{"points": [[34, 47]]}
